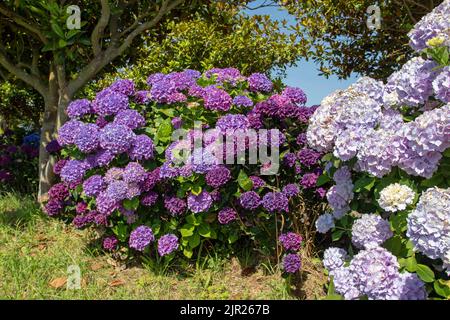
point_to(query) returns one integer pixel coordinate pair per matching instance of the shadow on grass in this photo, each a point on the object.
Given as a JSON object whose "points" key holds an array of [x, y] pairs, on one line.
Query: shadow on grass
{"points": [[18, 211]]}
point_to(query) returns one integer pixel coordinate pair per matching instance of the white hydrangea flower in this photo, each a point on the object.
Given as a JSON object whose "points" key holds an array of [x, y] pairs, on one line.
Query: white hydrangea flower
{"points": [[396, 197]]}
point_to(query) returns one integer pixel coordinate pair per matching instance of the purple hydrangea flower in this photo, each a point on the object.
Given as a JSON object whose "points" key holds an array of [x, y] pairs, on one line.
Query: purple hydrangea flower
{"points": [[275, 201], [109, 102], [142, 148], [87, 138], [134, 172], [174, 205], [123, 86], [79, 108], [218, 176], [291, 190], [93, 185], [257, 182], [226, 215], [289, 159], [73, 171], [167, 244], [231, 122], [308, 157], [53, 146], [149, 199], [199, 203], [101, 122], [370, 231], [242, 101], [259, 82], [150, 180], [291, 263], [58, 166], [117, 190], [116, 138], [250, 200], [177, 122], [291, 241], [226, 75], [301, 139], [53, 207], [68, 132], [309, 180], [141, 237], [216, 99], [110, 243], [296, 95], [105, 204], [58, 191], [130, 118], [441, 85], [142, 96]]}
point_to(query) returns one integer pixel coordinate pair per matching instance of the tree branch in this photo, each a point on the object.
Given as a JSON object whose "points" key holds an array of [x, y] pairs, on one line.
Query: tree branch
{"points": [[97, 33], [112, 52], [30, 79], [23, 23]]}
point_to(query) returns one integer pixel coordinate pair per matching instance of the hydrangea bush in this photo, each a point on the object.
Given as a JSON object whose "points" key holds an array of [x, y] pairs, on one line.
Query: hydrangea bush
{"points": [[388, 156], [19, 151], [124, 173]]}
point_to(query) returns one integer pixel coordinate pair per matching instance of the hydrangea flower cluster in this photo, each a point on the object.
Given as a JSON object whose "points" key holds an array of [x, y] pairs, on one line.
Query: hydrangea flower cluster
{"points": [[428, 225], [373, 273], [370, 230], [396, 197]]}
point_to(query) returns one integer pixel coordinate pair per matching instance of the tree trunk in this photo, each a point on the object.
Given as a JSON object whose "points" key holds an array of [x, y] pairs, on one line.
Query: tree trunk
{"points": [[46, 161]]}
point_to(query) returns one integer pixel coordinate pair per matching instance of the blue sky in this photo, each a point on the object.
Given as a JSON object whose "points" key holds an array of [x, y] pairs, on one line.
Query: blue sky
{"points": [[305, 74]]}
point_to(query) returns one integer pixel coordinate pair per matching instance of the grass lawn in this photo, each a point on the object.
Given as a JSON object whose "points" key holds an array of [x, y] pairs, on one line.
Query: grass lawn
{"points": [[35, 252]]}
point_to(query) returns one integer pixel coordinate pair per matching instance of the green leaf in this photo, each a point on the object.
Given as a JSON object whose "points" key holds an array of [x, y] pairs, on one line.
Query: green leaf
{"points": [[410, 264], [442, 288], [333, 297], [164, 131], [395, 245], [425, 273], [364, 183], [398, 222], [196, 190], [187, 230], [337, 234], [132, 204], [188, 253], [58, 30], [194, 240], [204, 230], [324, 178], [244, 181], [233, 237], [191, 219]]}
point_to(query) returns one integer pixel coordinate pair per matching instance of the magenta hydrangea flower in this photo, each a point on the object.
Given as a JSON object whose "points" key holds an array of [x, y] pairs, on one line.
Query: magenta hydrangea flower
{"points": [[309, 180], [226, 215], [291, 241], [141, 237], [58, 191], [110, 243], [218, 176], [58, 166], [167, 244], [53, 207]]}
